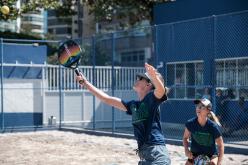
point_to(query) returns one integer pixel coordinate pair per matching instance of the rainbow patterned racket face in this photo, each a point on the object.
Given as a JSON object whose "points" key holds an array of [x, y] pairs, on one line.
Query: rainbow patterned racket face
{"points": [[69, 54]]}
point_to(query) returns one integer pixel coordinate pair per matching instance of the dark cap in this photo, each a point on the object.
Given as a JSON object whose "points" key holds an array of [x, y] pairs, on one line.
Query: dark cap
{"points": [[205, 102]]}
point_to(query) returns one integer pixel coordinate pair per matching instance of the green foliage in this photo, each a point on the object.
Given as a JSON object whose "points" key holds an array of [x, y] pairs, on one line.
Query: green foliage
{"points": [[11, 35], [12, 7], [103, 10], [62, 9], [37, 5], [134, 10]]}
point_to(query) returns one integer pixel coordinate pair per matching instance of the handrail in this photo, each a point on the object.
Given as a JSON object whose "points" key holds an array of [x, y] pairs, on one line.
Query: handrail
{"points": [[124, 76]]}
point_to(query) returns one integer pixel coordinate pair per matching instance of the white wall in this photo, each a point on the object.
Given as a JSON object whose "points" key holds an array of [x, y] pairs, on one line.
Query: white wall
{"points": [[28, 96], [78, 109], [22, 95]]}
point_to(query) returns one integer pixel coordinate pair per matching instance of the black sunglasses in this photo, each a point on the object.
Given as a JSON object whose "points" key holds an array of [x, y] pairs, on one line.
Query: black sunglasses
{"points": [[138, 78], [200, 106]]}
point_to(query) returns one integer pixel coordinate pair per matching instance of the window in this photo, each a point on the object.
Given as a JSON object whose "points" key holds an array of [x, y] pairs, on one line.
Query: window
{"points": [[59, 21], [32, 18], [63, 30], [232, 74], [185, 80]]}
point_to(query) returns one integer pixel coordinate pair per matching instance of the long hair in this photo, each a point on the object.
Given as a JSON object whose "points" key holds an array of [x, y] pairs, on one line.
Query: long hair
{"points": [[214, 118]]}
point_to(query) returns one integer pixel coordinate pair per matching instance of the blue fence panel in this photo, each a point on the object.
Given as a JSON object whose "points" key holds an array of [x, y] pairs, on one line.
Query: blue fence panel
{"points": [[232, 35], [202, 56]]}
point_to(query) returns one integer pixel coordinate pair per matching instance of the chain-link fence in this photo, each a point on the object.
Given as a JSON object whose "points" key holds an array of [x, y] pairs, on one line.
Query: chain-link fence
{"points": [[199, 58], [206, 58], [49, 95]]}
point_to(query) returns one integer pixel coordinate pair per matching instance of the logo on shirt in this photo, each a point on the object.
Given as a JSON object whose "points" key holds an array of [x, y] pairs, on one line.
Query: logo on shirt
{"points": [[139, 113], [203, 138]]}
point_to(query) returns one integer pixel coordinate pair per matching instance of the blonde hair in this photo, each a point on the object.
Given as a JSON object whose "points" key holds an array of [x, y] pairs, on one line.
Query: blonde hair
{"points": [[214, 118]]}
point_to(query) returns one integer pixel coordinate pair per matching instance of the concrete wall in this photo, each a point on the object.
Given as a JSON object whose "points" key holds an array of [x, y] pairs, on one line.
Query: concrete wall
{"points": [[26, 103], [22, 102], [78, 109]]}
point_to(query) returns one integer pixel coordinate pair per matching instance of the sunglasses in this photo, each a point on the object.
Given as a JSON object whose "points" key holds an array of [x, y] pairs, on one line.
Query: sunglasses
{"points": [[138, 78], [200, 107]]}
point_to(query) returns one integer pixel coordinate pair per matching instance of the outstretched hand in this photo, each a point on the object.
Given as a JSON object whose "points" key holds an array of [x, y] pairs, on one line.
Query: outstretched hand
{"points": [[152, 72], [157, 81], [81, 79], [189, 154]]}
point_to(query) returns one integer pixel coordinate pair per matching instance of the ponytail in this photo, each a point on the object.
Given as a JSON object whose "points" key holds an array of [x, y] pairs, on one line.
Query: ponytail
{"points": [[214, 118]]}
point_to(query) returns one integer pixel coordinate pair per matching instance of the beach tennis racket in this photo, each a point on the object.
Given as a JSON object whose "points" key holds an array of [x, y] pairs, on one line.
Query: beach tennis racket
{"points": [[69, 55], [202, 160]]}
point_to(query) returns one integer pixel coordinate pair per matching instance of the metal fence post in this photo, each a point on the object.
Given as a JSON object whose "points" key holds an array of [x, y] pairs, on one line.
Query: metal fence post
{"points": [[113, 81], [213, 66], [60, 97], [93, 79], [155, 46], [2, 110]]}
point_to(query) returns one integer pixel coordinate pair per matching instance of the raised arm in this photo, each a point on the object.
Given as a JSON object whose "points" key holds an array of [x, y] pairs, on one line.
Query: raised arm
{"points": [[159, 90], [220, 144], [112, 101]]}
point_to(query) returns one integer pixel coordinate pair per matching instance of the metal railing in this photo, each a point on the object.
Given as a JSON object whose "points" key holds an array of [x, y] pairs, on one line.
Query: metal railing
{"points": [[52, 75]]}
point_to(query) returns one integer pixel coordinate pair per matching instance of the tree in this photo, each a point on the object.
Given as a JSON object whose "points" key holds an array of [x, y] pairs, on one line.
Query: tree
{"points": [[134, 10], [64, 8], [13, 11], [103, 10]]}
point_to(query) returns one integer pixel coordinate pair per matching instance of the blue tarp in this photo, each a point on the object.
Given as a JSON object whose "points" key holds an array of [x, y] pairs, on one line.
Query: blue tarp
{"points": [[23, 54]]}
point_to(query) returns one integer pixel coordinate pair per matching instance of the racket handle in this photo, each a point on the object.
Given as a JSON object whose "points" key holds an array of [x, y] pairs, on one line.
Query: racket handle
{"points": [[81, 81], [78, 74]]}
